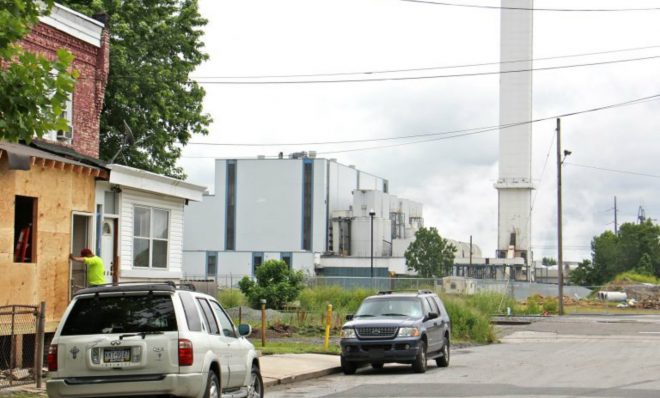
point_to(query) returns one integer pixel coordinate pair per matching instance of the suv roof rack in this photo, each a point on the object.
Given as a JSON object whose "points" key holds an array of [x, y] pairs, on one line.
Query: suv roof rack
{"points": [[159, 286], [418, 291]]}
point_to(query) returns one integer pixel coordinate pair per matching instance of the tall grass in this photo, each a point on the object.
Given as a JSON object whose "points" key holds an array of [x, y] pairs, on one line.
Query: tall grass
{"points": [[492, 303], [637, 278], [468, 323], [343, 301], [230, 298]]}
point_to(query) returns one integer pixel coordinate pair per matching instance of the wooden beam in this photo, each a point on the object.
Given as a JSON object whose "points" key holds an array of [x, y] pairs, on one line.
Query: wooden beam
{"points": [[33, 160], [1, 152], [43, 163]]}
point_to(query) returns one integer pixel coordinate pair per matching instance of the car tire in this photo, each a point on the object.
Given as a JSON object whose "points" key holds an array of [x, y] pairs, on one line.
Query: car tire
{"points": [[377, 365], [212, 386], [256, 387], [348, 367], [419, 364], [443, 361]]}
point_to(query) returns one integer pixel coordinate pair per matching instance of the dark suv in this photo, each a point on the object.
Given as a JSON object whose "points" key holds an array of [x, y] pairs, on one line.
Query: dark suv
{"points": [[399, 327]]}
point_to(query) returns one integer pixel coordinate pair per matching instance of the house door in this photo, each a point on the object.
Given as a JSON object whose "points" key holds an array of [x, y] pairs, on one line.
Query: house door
{"points": [[108, 247], [80, 239]]}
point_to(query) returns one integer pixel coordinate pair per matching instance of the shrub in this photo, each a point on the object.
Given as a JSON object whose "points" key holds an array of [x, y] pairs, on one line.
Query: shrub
{"points": [[550, 305], [636, 278], [468, 323], [230, 298], [533, 306], [275, 282], [343, 301]]}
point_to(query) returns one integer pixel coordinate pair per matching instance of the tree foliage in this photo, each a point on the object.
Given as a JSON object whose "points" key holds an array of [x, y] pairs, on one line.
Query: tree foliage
{"points": [[33, 89], [154, 46], [636, 248], [276, 283], [429, 254], [548, 261]]}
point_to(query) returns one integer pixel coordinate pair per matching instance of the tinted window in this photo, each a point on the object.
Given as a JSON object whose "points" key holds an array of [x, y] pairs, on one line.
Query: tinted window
{"points": [[208, 315], [433, 305], [225, 322], [121, 314], [390, 307], [190, 309], [425, 304]]}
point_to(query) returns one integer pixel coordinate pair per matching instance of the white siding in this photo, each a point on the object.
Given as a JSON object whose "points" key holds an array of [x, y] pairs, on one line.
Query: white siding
{"points": [[128, 200]]}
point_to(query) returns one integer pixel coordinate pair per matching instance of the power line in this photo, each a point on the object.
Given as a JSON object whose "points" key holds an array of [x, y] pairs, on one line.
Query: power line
{"points": [[427, 68], [453, 134], [440, 3], [613, 170], [401, 78]]}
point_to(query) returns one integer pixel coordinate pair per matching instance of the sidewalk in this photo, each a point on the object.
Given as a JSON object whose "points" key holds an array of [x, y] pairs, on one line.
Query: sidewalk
{"points": [[275, 369], [291, 368]]}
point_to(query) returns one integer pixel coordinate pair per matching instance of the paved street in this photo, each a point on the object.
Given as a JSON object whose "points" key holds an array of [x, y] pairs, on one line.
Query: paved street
{"points": [[605, 356]]}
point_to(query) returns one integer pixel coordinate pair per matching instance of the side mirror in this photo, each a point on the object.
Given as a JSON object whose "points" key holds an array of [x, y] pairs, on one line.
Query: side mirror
{"points": [[349, 317], [432, 315], [244, 329]]}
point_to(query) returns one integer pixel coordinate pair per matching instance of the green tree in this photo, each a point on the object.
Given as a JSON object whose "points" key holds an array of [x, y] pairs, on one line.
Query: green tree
{"points": [[33, 89], [154, 46], [429, 254], [548, 261], [276, 283], [584, 275], [636, 247]]}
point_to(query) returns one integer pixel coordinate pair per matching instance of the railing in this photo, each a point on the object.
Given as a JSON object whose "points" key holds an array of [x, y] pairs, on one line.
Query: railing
{"points": [[21, 344]]}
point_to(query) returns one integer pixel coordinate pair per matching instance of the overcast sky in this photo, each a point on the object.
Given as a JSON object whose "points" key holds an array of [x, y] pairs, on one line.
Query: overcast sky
{"points": [[453, 178]]}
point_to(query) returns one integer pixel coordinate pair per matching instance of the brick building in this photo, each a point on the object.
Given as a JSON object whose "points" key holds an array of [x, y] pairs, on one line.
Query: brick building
{"points": [[47, 188]]}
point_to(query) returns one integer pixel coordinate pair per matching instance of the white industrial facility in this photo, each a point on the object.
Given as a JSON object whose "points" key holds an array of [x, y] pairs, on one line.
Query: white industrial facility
{"points": [[315, 214], [514, 185]]}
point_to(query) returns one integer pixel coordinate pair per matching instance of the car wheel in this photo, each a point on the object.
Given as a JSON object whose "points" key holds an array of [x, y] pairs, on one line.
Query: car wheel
{"points": [[256, 387], [419, 364], [348, 367], [443, 361], [212, 386], [377, 365]]}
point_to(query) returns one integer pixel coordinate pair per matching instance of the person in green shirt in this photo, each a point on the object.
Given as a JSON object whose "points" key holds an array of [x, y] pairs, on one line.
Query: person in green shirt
{"points": [[95, 268]]}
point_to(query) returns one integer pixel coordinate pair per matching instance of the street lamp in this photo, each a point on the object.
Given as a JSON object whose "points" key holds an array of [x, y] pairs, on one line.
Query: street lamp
{"points": [[372, 213]]}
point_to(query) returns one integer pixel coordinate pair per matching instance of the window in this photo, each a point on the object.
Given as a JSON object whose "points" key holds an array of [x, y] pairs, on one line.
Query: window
{"points": [[67, 114], [192, 315], [121, 314], [225, 323], [208, 315], [211, 264], [433, 305], [308, 168], [286, 257], [150, 237], [257, 259], [110, 202], [25, 222], [230, 216]]}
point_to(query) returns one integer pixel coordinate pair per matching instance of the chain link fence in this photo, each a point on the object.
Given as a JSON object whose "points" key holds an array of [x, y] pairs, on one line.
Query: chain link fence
{"points": [[21, 344]]}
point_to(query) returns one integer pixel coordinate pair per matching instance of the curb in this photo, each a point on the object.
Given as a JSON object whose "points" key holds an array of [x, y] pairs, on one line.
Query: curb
{"points": [[301, 377]]}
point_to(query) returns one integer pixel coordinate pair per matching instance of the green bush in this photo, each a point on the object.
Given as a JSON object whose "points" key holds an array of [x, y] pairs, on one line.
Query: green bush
{"points": [[276, 283], [533, 304], [550, 305], [468, 323], [230, 298]]}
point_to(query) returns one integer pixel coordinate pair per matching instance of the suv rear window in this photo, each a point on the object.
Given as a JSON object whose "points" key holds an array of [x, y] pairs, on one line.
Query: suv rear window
{"points": [[121, 314]]}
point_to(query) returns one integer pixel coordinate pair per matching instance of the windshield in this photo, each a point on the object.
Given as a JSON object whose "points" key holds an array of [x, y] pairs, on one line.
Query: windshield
{"points": [[121, 314], [390, 307]]}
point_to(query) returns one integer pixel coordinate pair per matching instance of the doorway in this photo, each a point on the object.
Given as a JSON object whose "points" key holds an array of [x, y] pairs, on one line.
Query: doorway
{"points": [[81, 227]]}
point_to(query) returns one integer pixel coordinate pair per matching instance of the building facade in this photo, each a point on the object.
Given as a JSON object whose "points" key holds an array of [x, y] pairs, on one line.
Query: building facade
{"points": [[312, 213]]}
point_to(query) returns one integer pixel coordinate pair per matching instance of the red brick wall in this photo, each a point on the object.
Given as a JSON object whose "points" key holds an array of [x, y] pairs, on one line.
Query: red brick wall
{"points": [[93, 65]]}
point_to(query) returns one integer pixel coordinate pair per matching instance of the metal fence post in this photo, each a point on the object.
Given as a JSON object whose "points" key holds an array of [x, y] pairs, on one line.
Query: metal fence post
{"points": [[39, 344], [12, 343]]}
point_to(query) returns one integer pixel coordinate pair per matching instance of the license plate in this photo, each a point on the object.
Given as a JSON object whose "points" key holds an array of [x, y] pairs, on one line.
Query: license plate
{"points": [[117, 355], [377, 353]]}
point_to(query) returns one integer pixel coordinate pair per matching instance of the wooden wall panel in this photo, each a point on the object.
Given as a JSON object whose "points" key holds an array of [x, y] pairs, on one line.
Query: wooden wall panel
{"points": [[59, 192]]}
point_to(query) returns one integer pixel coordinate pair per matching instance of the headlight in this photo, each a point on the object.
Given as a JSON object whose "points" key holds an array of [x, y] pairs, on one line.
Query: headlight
{"points": [[348, 333], [408, 332]]}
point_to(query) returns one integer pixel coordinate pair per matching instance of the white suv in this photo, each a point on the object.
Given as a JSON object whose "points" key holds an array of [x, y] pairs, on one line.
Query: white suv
{"points": [[131, 340]]}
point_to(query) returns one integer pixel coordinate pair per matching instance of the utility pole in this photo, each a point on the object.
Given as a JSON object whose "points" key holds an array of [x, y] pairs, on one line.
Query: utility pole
{"points": [[560, 254], [470, 257], [616, 224]]}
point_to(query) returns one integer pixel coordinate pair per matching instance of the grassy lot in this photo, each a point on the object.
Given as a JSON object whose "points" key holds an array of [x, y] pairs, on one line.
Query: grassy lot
{"points": [[294, 347]]}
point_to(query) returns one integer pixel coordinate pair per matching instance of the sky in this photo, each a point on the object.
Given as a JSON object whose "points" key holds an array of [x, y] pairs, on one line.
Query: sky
{"points": [[452, 177]]}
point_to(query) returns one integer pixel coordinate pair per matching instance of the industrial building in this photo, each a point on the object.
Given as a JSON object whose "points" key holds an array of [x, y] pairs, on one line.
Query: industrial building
{"points": [[315, 214]]}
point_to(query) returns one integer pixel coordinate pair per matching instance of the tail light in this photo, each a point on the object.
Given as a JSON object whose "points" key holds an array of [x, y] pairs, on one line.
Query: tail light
{"points": [[52, 358], [185, 352]]}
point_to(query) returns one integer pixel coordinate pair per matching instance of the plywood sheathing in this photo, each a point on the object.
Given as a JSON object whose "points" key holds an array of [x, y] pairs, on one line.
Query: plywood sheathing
{"points": [[60, 191]]}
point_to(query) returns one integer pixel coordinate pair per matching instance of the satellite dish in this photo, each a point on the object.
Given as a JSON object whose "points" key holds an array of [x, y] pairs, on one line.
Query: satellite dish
{"points": [[127, 139]]}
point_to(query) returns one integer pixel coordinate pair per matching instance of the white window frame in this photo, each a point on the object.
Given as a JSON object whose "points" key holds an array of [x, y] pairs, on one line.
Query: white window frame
{"points": [[151, 238], [63, 136]]}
